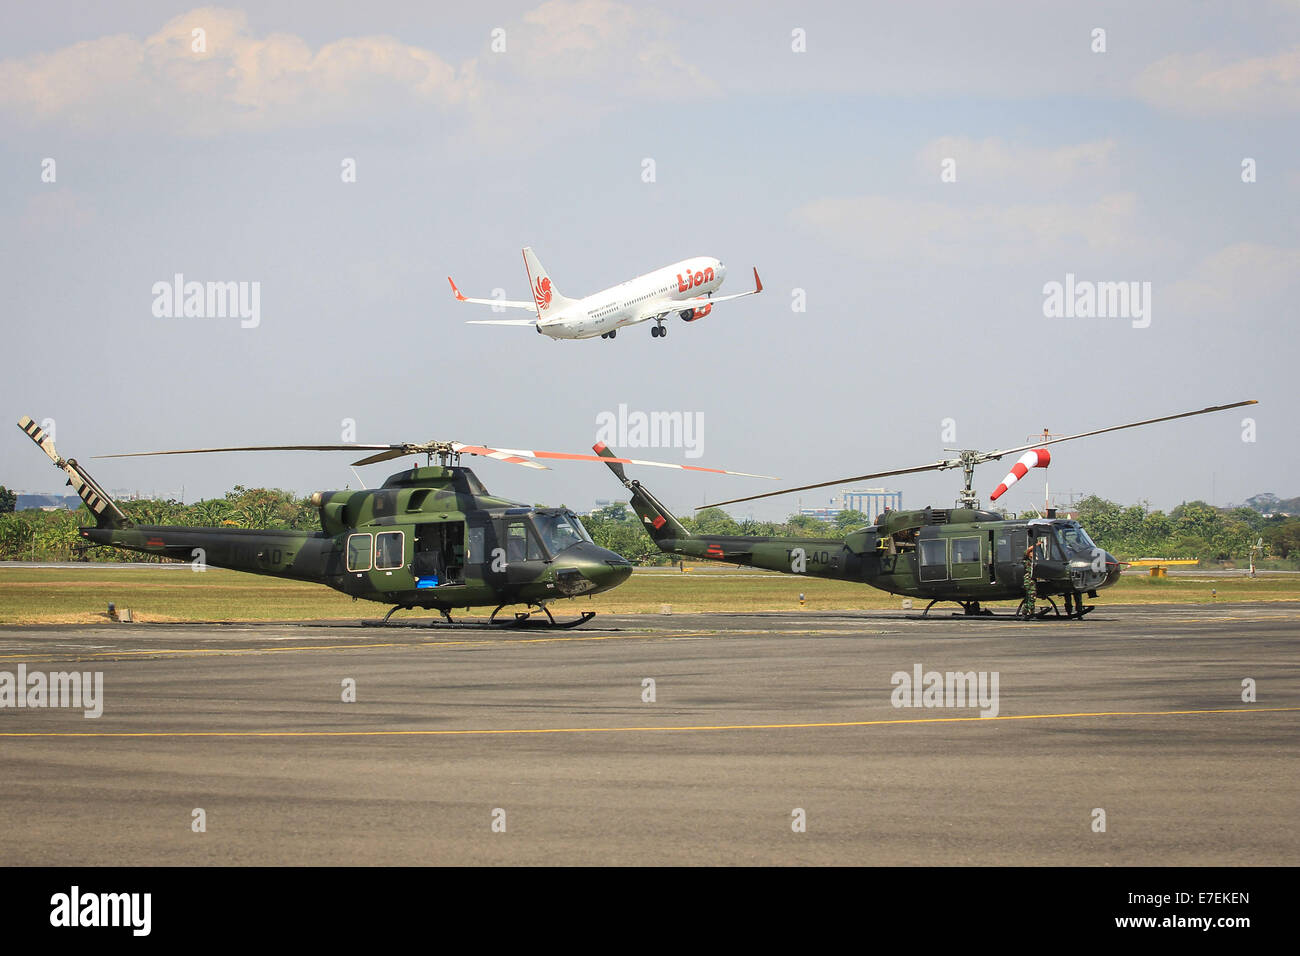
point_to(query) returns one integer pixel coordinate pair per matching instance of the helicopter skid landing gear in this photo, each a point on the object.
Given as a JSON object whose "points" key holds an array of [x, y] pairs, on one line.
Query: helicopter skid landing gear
{"points": [[1075, 608], [968, 608], [524, 619], [407, 607], [1041, 612]]}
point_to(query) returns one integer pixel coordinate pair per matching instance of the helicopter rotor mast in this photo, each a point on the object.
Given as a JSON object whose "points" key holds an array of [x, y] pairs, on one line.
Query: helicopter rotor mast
{"points": [[969, 458]]}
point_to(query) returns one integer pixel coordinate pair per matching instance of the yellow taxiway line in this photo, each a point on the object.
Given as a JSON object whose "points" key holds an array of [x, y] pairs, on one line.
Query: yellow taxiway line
{"points": [[650, 729]]}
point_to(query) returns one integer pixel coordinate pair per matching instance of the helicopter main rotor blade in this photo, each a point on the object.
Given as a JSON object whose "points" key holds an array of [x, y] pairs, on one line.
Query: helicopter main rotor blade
{"points": [[390, 452], [935, 466], [521, 456], [513, 456], [205, 451], [994, 455], [982, 457]]}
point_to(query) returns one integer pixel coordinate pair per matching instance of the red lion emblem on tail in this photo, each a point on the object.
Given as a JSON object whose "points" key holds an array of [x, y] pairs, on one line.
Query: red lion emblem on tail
{"points": [[542, 292]]}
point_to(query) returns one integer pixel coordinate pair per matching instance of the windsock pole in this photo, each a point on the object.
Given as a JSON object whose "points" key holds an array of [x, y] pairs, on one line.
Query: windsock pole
{"points": [[1034, 458]]}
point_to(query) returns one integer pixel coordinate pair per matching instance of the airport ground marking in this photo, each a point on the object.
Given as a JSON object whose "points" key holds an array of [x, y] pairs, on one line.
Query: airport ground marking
{"points": [[177, 652], [649, 729]]}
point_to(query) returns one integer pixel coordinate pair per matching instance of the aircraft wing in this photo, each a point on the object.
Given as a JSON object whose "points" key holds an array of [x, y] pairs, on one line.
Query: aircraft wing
{"points": [[504, 303]]}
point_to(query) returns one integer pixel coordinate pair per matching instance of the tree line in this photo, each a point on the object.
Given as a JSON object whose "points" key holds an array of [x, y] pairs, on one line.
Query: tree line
{"points": [[1191, 530]]}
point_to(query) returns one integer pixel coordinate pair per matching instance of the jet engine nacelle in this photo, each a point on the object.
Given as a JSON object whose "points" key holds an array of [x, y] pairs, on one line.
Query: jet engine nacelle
{"points": [[690, 315]]}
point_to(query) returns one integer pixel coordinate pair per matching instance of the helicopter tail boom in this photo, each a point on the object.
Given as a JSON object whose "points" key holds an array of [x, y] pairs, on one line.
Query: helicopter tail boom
{"points": [[104, 509], [660, 523]]}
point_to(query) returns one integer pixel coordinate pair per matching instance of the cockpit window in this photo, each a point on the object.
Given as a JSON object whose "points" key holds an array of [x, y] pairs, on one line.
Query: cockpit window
{"points": [[520, 545], [559, 530], [1047, 548], [1076, 539]]}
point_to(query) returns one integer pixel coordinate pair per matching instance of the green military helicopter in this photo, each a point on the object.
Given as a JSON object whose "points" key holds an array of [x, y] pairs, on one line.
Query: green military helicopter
{"points": [[431, 537], [964, 555]]}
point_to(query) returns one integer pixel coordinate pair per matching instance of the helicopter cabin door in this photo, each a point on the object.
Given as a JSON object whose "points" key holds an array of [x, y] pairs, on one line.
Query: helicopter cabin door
{"points": [[525, 559], [1011, 544], [439, 554], [966, 558]]}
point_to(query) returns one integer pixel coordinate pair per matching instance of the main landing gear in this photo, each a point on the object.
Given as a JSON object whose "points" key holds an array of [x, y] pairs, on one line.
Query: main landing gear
{"points": [[609, 335], [658, 331]]}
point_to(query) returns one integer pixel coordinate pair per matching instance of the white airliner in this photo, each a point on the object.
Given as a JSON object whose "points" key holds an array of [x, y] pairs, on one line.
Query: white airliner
{"points": [[684, 287]]}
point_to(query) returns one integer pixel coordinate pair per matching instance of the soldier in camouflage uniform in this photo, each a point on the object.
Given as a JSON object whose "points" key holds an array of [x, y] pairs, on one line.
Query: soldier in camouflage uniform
{"points": [[1029, 583]]}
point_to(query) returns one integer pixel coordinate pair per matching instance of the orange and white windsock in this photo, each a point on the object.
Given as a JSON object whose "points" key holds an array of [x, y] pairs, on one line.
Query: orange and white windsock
{"points": [[1034, 458]]}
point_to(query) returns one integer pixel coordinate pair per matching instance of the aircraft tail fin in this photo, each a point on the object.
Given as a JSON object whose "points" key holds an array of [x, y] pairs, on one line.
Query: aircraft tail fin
{"points": [[660, 523], [104, 509], [545, 294]]}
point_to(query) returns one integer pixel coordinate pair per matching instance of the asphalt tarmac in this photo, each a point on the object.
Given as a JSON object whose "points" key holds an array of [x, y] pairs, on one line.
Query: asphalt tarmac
{"points": [[486, 747]]}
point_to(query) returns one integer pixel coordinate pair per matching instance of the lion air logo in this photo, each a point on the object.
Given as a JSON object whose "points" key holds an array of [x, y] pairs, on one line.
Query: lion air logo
{"points": [[542, 292]]}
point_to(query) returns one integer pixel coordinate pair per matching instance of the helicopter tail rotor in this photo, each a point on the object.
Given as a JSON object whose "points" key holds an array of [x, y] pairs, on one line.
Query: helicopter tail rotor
{"points": [[107, 513]]}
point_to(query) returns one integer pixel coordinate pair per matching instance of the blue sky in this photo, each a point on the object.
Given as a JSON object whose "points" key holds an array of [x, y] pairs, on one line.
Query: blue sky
{"points": [[924, 298]]}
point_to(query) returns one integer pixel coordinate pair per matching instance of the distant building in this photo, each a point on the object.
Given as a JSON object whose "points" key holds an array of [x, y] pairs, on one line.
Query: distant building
{"points": [[47, 503], [872, 501]]}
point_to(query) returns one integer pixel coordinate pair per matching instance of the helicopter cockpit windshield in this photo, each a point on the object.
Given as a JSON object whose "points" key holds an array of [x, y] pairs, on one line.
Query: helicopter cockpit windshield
{"points": [[559, 530], [1075, 539]]}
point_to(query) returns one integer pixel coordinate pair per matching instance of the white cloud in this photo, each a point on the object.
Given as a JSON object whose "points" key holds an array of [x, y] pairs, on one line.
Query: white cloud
{"points": [[1242, 274], [628, 48], [245, 81], [240, 81], [1203, 84], [994, 161], [891, 228]]}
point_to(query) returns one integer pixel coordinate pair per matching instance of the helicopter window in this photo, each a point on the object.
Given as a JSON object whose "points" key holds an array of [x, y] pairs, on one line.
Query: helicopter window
{"points": [[1076, 539], [476, 545], [559, 531], [1047, 548], [520, 545], [586, 535], [516, 542], [966, 551], [359, 552], [934, 559], [1011, 546], [389, 550]]}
